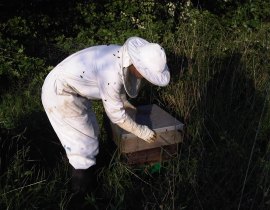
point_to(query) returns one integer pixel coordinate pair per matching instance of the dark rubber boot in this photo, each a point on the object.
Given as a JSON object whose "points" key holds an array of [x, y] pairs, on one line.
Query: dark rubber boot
{"points": [[82, 182]]}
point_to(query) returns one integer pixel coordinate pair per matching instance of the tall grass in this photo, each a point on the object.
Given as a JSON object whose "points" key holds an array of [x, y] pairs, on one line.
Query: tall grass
{"points": [[219, 89]]}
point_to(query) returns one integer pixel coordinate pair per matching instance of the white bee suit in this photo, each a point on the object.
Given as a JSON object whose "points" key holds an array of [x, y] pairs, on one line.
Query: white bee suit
{"points": [[99, 72], [93, 73]]}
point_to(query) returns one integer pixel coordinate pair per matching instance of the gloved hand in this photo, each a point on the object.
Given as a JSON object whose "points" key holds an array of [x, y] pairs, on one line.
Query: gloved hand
{"points": [[142, 131], [127, 104], [147, 134]]}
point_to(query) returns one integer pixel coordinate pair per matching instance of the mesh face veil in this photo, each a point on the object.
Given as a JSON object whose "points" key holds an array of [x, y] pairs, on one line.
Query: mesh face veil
{"points": [[131, 82]]}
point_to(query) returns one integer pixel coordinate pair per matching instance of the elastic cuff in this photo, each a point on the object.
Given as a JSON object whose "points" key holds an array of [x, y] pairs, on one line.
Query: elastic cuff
{"points": [[79, 162]]}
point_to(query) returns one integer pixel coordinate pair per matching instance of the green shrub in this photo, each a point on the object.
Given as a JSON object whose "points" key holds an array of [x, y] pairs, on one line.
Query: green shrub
{"points": [[219, 65]]}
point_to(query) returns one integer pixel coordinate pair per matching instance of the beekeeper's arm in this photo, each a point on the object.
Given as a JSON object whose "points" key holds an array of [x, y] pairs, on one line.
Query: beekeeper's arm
{"points": [[114, 108]]}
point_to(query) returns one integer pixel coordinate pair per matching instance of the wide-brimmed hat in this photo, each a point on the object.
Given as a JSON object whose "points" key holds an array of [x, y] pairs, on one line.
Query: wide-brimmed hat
{"points": [[149, 59]]}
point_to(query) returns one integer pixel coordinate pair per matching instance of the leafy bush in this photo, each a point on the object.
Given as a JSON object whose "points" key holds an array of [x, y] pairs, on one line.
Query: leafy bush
{"points": [[219, 62]]}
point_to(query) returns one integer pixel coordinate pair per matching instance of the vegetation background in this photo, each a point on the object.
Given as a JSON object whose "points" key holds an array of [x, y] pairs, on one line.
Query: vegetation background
{"points": [[218, 54]]}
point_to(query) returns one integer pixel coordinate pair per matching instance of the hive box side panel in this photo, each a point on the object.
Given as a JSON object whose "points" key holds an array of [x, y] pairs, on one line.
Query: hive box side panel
{"points": [[157, 154], [135, 144]]}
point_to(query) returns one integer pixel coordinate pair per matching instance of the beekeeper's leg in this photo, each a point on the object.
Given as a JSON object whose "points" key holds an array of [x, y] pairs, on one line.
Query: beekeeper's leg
{"points": [[82, 156], [79, 137], [75, 124], [83, 165]]}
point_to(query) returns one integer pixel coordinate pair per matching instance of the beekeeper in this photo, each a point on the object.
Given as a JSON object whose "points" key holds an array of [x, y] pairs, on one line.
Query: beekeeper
{"points": [[105, 72]]}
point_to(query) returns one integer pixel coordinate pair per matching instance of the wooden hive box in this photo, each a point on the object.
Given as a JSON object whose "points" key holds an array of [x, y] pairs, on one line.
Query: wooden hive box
{"points": [[137, 151]]}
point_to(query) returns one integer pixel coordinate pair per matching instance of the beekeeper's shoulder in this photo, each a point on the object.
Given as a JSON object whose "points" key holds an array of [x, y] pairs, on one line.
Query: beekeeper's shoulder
{"points": [[106, 52]]}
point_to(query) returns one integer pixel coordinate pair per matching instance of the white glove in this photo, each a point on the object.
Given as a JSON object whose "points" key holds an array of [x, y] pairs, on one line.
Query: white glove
{"points": [[127, 104], [142, 131]]}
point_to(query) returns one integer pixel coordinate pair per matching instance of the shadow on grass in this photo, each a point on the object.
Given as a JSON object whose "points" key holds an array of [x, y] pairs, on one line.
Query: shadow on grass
{"points": [[34, 131], [232, 110]]}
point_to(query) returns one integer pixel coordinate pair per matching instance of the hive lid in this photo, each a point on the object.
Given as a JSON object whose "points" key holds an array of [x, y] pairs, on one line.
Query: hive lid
{"points": [[155, 118]]}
